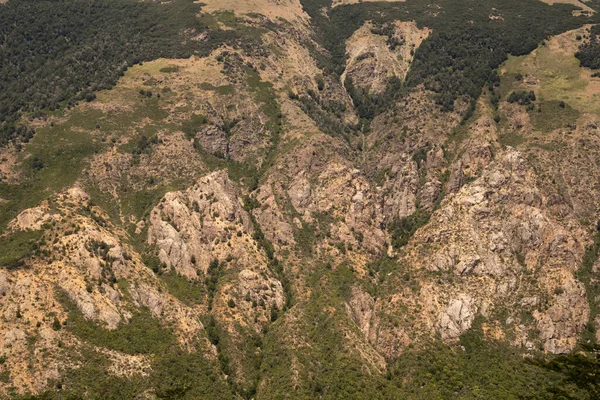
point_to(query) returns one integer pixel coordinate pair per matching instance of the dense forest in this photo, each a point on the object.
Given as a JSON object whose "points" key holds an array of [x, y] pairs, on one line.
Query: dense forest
{"points": [[589, 52], [54, 53], [461, 55]]}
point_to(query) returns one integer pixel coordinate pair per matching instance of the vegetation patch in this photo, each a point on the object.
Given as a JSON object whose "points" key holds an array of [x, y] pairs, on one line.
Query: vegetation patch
{"points": [[589, 52], [61, 153], [511, 138], [587, 276], [459, 58], [404, 228], [187, 291], [170, 69], [557, 75], [15, 247], [551, 115], [174, 375], [479, 369], [264, 94], [182, 375], [141, 335], [39, 73], [522, 97], [193, 125], [223, 90]]}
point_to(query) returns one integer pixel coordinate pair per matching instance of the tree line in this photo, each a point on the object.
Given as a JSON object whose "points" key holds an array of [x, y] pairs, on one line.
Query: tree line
{"points": [[461, 55], [55, 53]]}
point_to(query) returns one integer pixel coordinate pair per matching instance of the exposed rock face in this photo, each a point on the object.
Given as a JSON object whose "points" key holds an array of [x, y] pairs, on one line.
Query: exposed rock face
{"points": [[361, 308], [429, 195], [213, 140], [89, 256], [376, 54], [400, 190], [206, 221], [263, 265], [332, 198], [457, 317], [456, 179], [272, 220], [172, 157], [507, 189], [561, 324], [344, 193], [253, 288], [366, 312], [205, 232], [488, 235], [31, 219]]}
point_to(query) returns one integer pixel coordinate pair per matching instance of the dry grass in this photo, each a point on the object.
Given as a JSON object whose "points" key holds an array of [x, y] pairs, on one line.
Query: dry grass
{"points": [[289, 10], [553, 72], [9, 161], [585, 10], [344, 2]]}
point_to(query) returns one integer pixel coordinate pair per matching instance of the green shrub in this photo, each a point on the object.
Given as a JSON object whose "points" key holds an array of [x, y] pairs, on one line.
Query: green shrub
{"points": [[522, 97], [17, 246], [56, 325], [193, 125], [404, 228], [142, 334], [188, 291]]}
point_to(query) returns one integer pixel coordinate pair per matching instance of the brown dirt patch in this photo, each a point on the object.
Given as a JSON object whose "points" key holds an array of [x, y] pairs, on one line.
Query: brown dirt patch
{"points": [[344, 2], [585, 10], [289, 10]]}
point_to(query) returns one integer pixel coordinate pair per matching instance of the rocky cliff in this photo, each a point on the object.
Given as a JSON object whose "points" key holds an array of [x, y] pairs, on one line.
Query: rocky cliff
{"points": [[241, 213]]}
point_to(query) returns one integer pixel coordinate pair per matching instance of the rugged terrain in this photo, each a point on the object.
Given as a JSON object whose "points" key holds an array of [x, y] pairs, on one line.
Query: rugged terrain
{"points": [[354, 200]]}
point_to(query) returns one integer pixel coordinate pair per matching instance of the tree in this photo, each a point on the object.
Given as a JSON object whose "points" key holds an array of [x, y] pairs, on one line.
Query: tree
{"points": [[274, 313], [56, 325], [37, 163]]}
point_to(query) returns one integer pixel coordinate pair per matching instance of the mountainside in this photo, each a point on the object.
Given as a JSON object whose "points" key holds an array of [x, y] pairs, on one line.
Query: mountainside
{"points": [[272, 199]]}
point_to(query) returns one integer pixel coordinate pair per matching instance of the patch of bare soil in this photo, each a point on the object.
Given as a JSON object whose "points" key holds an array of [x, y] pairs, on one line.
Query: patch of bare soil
{"points": [[289, 10], [585, 10], [344, 2], [9, 159]]}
